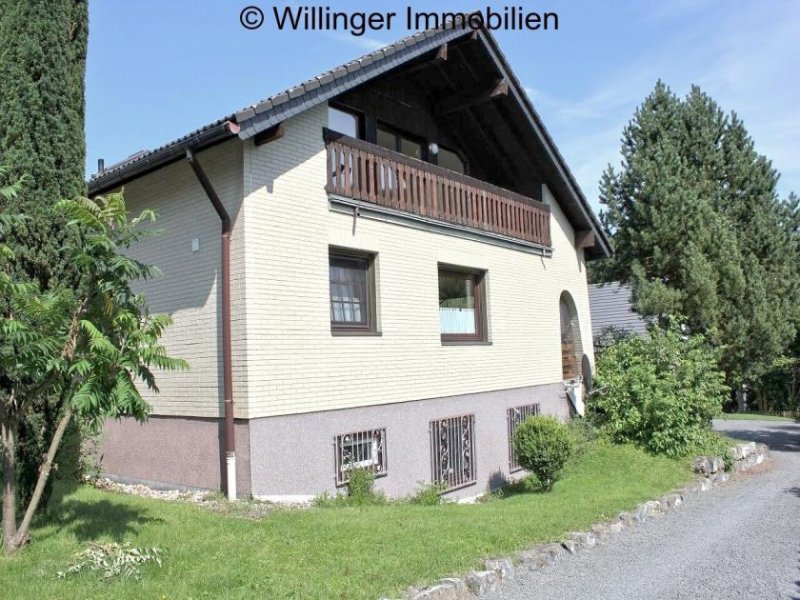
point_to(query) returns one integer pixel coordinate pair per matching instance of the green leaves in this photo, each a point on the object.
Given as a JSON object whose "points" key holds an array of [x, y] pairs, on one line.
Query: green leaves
{"points": [[699, 231], [543, 445], [90, 344], [659, 391]]}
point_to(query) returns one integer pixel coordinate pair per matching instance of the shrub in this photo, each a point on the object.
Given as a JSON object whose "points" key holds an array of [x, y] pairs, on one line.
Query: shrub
{"points": [[659, 392], [360, 492], [428, 494], [543, 445], [361, 488], [714, 444]]}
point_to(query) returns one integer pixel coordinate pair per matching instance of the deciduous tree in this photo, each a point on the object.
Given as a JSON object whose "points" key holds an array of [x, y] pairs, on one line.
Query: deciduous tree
{"points": [[86, 345]]}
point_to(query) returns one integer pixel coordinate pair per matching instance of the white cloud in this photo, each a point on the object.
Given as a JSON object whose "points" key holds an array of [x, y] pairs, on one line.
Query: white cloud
{"points": [[745, 58], [366, 43]]}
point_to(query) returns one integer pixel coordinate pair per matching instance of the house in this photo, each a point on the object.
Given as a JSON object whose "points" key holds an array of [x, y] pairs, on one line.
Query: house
{"points": [[611, 307], [382, 267]]}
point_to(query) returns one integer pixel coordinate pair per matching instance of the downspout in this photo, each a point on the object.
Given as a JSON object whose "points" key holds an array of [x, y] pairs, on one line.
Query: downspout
{"points": [[227, 359]]}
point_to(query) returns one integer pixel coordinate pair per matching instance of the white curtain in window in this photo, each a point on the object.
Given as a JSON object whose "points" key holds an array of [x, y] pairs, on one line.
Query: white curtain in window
{"points": [[457, 320]]}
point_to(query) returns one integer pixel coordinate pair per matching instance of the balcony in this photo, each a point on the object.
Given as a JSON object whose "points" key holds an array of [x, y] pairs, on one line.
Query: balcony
{"points": [[374, 175]]}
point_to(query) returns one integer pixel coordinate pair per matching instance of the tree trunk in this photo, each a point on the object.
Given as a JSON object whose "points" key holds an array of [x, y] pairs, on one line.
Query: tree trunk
{"points": [[8, 434], [21, 537]]}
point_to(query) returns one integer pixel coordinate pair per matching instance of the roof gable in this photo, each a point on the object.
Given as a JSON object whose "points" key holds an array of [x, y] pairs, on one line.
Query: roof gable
{"points": [[267, 113]]}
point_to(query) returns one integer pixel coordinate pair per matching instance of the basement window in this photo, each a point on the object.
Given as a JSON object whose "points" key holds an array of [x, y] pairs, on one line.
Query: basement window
{"points": [[516, 416], [360, 450], [453, 451]]}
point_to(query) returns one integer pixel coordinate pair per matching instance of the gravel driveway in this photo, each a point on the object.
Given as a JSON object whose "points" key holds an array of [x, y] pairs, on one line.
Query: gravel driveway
{"points": [[741, 540]]}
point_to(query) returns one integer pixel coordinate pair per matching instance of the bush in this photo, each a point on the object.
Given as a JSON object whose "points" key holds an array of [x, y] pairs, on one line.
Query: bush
{"points": [[428, 494], [659, 392], [543, 445], [361, 488], [360, 492]]}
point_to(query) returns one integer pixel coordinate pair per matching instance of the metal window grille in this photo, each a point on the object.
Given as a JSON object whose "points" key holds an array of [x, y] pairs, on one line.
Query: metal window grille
{"points": [[453, 451], [360, 450], [516, 416]]}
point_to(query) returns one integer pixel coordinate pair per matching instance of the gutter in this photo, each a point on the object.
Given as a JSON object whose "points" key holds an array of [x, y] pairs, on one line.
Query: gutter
{"points": [[227, 353], [116, 177]]}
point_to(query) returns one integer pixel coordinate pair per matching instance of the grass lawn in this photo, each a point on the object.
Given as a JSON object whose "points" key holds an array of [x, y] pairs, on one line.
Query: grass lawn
{"points": [[366, 552], [754, 417]]}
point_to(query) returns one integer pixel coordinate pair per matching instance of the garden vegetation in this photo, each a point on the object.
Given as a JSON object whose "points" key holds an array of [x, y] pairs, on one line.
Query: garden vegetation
{"points": [[659, 391]]}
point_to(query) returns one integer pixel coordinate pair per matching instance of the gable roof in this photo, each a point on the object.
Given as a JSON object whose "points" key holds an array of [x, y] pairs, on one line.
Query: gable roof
{"points": [[258, 117]]}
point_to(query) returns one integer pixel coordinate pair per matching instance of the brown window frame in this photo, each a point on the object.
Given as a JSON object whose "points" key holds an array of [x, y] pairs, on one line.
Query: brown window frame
{"points": [[368, 259], [464, 162], [399, 134], [481, 334], [359, 115]]}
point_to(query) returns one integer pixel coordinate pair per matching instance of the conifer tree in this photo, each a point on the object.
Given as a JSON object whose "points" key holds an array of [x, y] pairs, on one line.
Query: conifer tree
{"points": [[699, 230], [43, 47]]}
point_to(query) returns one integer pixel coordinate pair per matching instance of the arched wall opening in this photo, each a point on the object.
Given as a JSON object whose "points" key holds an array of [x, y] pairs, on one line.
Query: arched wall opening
{"points": [[571, 345]]}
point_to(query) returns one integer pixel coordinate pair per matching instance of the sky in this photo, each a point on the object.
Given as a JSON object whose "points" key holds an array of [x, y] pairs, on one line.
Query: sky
{"points": [[158, 69]]}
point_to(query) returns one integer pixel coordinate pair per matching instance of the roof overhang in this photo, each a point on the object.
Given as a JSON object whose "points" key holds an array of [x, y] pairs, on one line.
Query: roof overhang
{"points": [[251, 121]]}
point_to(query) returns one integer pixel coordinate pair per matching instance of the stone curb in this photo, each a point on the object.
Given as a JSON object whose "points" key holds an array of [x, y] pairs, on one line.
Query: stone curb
{"points": [[479, 584]]}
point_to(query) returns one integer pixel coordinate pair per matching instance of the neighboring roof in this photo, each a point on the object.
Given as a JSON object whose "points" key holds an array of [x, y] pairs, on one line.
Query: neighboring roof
{"points": [[611, 305], [264, 114]]}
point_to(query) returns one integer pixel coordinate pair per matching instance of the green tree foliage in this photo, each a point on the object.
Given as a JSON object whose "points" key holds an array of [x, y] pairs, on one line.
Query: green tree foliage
{"points": [[85, 345], [43, 47], [699, 230], [659, 391], [42, 65], [543, 445]]}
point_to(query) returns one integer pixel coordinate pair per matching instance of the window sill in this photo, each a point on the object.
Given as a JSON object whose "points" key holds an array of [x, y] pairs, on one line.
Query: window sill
{"points": [[460, 487], [336, 333], [466, 343]]}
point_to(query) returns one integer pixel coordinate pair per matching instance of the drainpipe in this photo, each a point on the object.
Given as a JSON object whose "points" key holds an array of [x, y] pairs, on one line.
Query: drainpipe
{"points": [[227, 370]]}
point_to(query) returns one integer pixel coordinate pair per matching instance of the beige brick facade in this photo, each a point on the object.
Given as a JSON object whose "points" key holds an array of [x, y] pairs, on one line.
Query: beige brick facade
{"points": [[298, 366], [285, 359], [187, 290]]}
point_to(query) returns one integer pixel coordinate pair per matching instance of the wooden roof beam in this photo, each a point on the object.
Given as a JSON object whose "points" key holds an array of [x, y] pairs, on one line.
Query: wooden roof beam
{"points": [[455, 103]]}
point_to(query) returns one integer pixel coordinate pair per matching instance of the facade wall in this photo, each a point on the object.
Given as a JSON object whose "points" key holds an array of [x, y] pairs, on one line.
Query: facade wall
{"points": [[188, 288], [170, 451], [294, 455], [295, 365], [296, 385]]}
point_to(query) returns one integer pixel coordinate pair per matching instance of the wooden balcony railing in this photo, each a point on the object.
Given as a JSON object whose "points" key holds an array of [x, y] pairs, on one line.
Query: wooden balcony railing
{"points": [[366, 172]]}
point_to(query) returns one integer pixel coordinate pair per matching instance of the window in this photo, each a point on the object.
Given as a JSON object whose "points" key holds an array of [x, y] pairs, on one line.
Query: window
{"points": [[450, 160], [360, 450], [352, 286], [453, 451], [399, 142], [515, 417], [461, 306], [344, 121]]}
